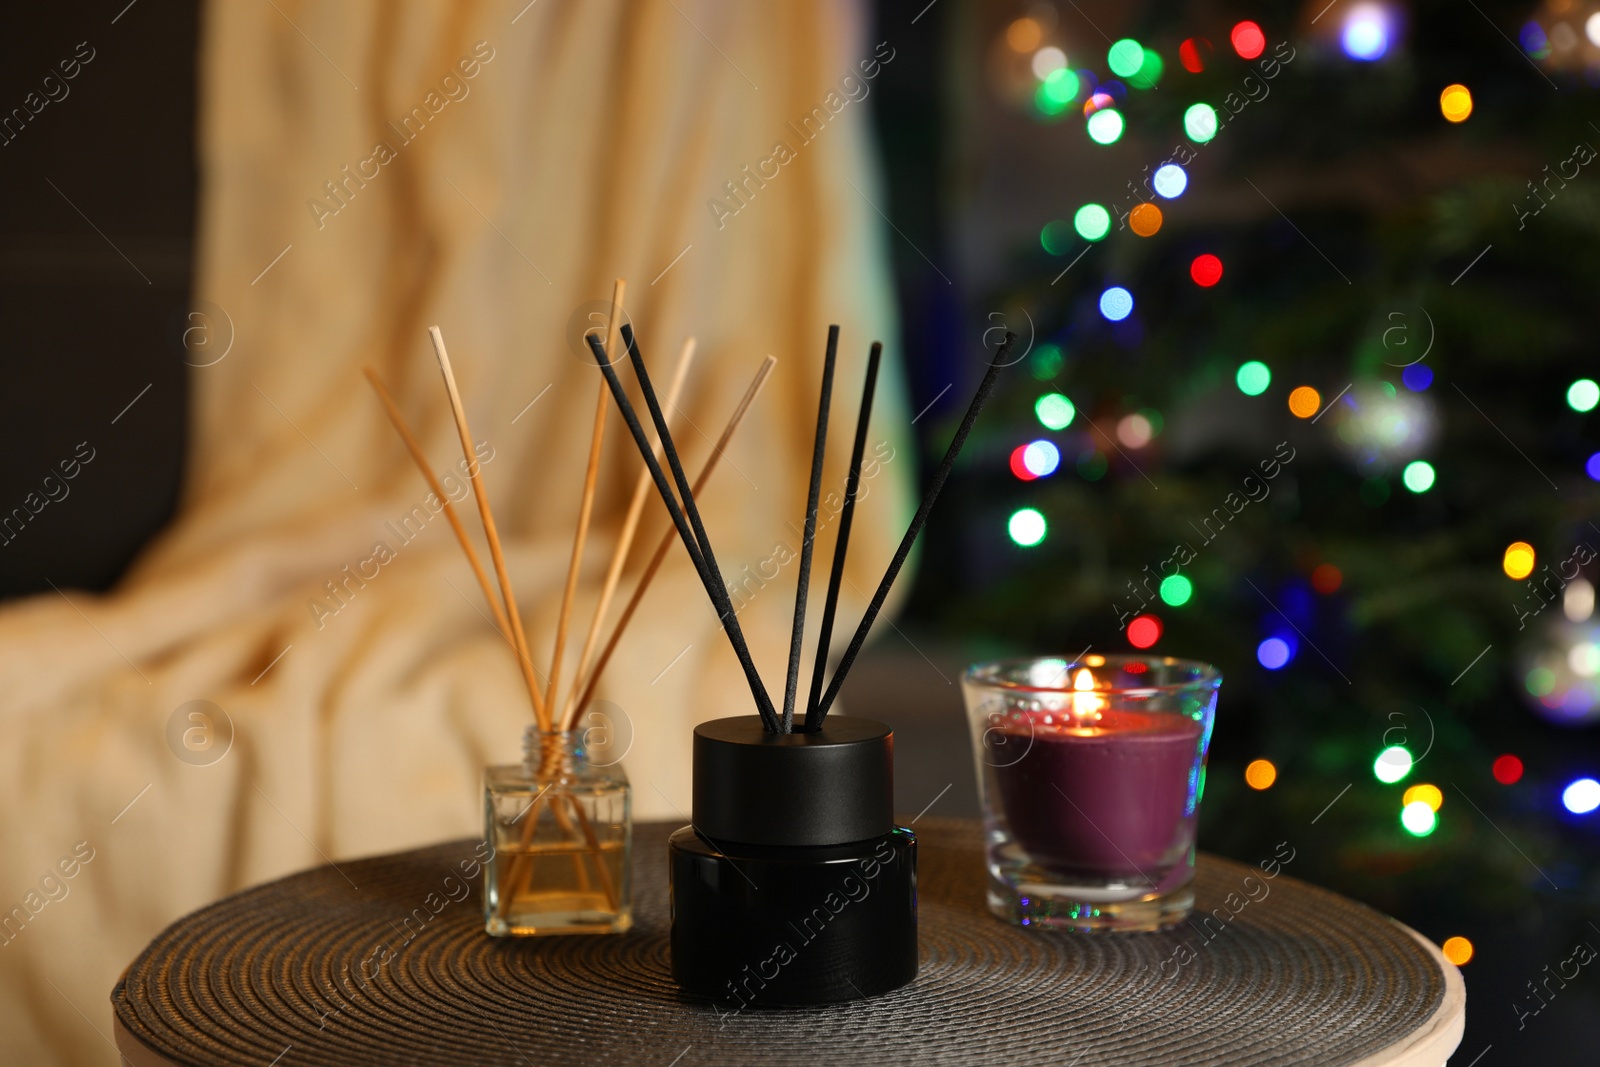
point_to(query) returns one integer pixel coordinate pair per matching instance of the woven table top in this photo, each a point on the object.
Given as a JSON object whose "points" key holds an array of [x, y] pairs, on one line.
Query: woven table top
{"points": [[284, 974]]}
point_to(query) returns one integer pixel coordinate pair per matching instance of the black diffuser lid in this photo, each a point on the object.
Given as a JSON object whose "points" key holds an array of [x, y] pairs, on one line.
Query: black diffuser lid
{"points": [[822, 788]]}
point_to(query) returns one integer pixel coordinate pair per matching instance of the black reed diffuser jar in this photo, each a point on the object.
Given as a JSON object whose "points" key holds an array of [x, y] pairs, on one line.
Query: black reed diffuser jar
{"points": [[793, 886], [815, 907]]}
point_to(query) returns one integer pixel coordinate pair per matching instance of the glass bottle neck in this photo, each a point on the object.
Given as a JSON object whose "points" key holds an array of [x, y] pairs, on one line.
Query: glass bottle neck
{"points": [[552, 753]]}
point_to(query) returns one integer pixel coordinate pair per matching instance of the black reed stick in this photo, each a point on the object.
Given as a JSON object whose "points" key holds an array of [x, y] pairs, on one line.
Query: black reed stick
{"points": [[819, 446], [720, 597], [703, 566], [851, 486], [917, 522]]}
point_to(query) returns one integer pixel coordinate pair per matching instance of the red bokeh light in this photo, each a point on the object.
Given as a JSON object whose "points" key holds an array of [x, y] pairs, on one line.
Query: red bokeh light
{"points": [[1507, 770], [1326, 579], [1144, 631], [1192, 54], [1206, 270], [1019, 465], [1248, 40]]}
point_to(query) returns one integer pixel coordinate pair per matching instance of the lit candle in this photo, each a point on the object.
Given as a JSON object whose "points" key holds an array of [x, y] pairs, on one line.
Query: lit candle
{"points": [[1103, 790]]}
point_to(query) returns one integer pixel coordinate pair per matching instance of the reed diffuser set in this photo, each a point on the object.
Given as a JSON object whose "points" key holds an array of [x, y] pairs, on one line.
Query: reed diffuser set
{"points": [[793, 885], [558, 823]]}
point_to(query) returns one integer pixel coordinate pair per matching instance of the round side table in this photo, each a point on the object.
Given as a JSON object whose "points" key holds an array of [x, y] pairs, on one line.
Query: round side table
{"points": [[384, 961]]}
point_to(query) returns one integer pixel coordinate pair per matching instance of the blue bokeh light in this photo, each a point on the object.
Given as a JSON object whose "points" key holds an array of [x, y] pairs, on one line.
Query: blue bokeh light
{"points": [[1170, 181], [1273, 653], [1116, 303], [1417, 377]]}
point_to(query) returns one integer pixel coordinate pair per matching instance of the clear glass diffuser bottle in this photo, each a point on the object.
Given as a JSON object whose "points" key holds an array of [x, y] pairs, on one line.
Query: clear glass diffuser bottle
{"points": [[561, 832]]}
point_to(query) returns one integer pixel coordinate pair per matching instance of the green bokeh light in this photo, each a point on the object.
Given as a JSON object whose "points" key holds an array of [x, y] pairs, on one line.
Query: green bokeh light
{"points": [[1055, 411], [1418, 476], [1105, 126], [1056, 237], [1418, 818], [1253, 378], [1061, 86], [1392, 764], [1027, 527], [1176, 590], [1045, 364], [1149, 71], [1092, 222], [1125, 57], [1200, 123], [1583, 394]]}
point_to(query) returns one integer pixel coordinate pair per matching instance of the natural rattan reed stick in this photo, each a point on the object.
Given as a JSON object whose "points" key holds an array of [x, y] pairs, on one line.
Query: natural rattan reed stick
{"points": [[667, 535], [619, 555], [580, 535], [475, 476], [421, 460]]}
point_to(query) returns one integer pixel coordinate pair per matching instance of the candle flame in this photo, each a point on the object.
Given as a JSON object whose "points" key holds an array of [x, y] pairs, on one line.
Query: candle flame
{"points": [[1086, 704]]}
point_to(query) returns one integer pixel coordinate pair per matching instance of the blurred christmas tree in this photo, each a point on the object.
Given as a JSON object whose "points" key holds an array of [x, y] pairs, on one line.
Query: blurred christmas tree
{"points": [[1307, 397]]}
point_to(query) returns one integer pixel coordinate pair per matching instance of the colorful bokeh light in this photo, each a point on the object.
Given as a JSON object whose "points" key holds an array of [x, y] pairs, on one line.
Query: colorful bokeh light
{"points": [[1304, 402], [1206, 270], [1418, 819], [1583, 395], [1135, 430], [1041, 458], [1144, 220], [1054, 411], [1019, 465], [1193, 53], [1144, 631], [1170, 180], [1260, 774], [1149, 72], [1418, 476], [1047, 60], [1392, 764], [1061, 86], [1458, 950], [1200, 123], [1366, 32], [1273, 653], [1592, 467], [1176, 590], [1055, 237], [1253, 377], [1248, 40], [1326, 579], [1024, 35], [1582, 796], [1518, 560], [1125, 57], [1455, 103], [1092, 222], [1507, 769], [1027, 527], [1430, 795], [1105, 126], [1417, 377], [1116, 303], [1046, 362]]}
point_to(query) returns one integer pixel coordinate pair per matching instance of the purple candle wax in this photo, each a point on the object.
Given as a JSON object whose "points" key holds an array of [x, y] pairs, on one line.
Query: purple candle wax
{"points": [[1102, 800]]}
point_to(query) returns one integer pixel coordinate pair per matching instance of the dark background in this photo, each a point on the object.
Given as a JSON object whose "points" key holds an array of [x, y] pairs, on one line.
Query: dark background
{"points": [[96, 251]]}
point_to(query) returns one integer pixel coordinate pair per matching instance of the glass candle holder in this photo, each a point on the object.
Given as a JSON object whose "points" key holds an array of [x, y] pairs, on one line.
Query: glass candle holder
{"points": [[561, 835], [1091, 774]]}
